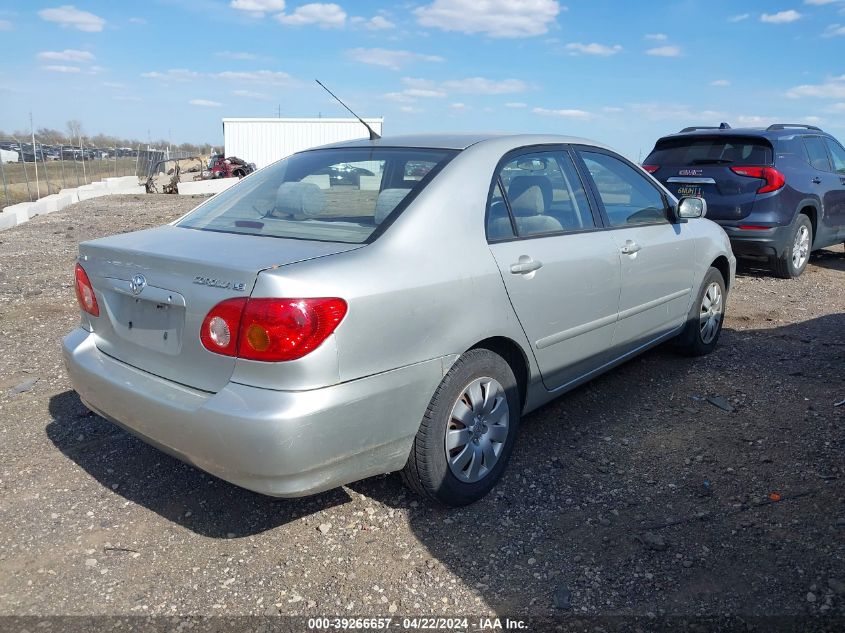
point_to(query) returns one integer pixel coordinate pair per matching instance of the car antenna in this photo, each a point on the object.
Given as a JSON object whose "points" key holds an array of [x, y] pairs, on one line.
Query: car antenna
{"points": [[373, 135]]}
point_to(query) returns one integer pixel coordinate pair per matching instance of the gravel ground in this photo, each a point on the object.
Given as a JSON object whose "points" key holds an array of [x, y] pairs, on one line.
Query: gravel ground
{"points": [[652, 490]]}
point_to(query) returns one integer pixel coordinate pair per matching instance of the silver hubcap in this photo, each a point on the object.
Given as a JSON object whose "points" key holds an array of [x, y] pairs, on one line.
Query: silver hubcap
{"points": [[801, 248], [477, 430], [711, 313]]}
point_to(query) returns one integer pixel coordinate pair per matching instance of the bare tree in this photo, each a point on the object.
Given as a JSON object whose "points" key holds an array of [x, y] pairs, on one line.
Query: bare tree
{"points": [[74, 129]]}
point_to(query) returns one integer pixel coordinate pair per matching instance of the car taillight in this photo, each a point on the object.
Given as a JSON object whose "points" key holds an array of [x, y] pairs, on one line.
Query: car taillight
{"points": [[85, 293], [271, 330], [219, 332], [774, 179], [651, 168]]}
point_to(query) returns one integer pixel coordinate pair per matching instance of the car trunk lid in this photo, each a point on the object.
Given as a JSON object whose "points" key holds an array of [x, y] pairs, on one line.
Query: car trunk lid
{"points": [[155, 287], [701, 166]]}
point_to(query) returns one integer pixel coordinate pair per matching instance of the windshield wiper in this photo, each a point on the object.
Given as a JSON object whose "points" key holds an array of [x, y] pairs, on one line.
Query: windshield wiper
{"points": [[711, 161]]}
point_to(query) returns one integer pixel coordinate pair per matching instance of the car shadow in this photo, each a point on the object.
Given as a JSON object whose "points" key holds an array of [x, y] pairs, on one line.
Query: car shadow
{"points": [[832, 257], [177, 491], [643, 491]]}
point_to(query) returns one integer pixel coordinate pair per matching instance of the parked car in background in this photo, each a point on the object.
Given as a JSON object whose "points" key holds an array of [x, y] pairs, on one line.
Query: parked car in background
{"points": [[228, 167], [293, 334], [778, 192]]}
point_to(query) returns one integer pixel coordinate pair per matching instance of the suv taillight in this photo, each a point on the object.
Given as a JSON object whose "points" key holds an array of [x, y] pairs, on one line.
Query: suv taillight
{"points": [[774, 179], [651, 168], [271, 330], [85, 293]]}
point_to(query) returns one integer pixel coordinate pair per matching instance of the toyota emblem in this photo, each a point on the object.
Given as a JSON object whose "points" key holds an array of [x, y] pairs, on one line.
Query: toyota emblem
{"points": [[137, 284]]}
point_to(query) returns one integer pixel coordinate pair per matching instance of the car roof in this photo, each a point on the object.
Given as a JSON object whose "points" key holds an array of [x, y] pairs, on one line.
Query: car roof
{"points": [[463, 141], [748, 131]]}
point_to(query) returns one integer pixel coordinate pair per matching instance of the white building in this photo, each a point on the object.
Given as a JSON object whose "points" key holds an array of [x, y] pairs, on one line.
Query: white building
{"points": [[264, 141]]}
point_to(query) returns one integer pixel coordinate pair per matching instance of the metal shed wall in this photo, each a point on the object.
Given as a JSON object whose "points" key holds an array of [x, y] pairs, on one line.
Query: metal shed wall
{"points": [[264, 141]]}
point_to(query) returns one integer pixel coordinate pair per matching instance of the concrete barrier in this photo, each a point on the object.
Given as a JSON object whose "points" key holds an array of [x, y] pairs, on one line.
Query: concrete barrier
{"points": [[206, 186]]}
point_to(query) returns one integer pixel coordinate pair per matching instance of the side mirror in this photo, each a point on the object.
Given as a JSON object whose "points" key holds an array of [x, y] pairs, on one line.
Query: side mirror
{"points": [[691, 208]]}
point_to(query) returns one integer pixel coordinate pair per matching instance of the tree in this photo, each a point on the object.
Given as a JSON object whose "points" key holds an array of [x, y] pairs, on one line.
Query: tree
{"points": [[74, 130]]}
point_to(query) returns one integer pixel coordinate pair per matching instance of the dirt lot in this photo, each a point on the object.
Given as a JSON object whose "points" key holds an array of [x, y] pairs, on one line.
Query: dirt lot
{"points": [[647, 492]]}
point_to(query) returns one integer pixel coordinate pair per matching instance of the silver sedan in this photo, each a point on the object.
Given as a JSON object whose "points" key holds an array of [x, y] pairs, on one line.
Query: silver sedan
{"points": [[301, 331]]}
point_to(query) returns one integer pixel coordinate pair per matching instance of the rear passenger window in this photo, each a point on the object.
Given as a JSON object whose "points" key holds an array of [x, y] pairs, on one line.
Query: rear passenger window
{"points": [[627, 196], [499, 225], [817, 152], [545, 194], [837, 154]]}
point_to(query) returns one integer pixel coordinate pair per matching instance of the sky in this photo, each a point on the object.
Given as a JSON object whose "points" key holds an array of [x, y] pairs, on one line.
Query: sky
{"points": [[621, 72]]}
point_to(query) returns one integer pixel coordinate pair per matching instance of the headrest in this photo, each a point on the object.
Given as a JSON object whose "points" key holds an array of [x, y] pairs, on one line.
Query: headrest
{"points": [[528, 203], [519, 184], [388, 200], [299, 199]]}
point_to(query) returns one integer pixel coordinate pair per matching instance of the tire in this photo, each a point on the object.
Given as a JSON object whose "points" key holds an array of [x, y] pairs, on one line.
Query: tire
{"points": [[698, 338], [428, 470], [793, 262]]}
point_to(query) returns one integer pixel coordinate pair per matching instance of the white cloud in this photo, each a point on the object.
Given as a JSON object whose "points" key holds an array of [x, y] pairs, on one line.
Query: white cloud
{"points": [[496, 18], [205, 103], [601, 50], [326, 16], [836, 108], [739, 18], [269, 77], [781, 17], [376, 23], [126, 98], [114, 85], [430, 89], [516, 105], [394, 59], [756, 120], [664, 51], [612, 109], [458, 106], [69, 16], [657, 37], [833, 89], [67, 55], [662, 111], [5, 25], [565, 113], [240, 56], [139, 21], [819, 3], [720, 83], [410, 109], [258, 8], [251, 94], [834, 30], [174, 74], [62, 69]]}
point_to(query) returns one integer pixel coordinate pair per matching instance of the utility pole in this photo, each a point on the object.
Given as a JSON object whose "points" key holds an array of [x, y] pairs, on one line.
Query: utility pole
{"points": [[34, 156]]}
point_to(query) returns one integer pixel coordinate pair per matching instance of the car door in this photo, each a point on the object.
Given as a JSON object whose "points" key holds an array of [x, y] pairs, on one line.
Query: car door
{"points": [[825, 183], [835, 197], [560, 268], [658, 256]]}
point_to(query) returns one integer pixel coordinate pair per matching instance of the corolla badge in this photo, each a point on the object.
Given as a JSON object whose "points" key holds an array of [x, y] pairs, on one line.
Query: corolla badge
{"points": [[137, 284]]}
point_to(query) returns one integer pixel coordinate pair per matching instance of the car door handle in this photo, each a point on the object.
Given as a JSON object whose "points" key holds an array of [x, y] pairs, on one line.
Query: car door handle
{"points": [[630, 247], [817, 181], [525, 265]]}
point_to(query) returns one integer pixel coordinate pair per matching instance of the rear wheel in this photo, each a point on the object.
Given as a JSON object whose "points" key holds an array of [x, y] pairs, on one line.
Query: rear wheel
{"points": [[704, 322], [467, 433], [793, 262]]}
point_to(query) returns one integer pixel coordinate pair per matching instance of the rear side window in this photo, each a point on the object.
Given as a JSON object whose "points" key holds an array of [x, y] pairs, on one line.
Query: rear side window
{"points": [[334, 195], [722, 150], [817, 152], [628, 198], [837, 154], [544, 195]]}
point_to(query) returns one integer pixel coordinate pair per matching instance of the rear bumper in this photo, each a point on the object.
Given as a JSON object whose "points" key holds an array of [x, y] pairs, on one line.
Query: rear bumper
{"points": [[279, 443], [771, 242]]}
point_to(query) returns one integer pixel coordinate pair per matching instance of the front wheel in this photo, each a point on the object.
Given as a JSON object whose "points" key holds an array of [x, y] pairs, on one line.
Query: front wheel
{"points": [[705, 318], [793, 262], [468, 431]]}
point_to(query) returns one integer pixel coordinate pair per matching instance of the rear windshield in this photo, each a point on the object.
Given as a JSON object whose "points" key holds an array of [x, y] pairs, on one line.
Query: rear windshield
{"points": [[334, 195], [699, 150]]}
